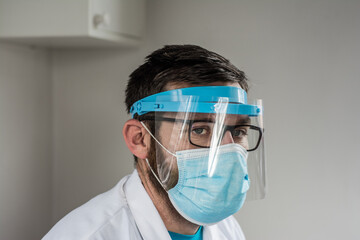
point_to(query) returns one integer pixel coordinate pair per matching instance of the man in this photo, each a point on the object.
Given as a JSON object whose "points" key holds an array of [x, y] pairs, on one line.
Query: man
{"points": [[191, 132]]}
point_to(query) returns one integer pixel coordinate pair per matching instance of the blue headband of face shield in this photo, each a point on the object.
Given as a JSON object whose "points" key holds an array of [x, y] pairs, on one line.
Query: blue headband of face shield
{"points": [[205, 97]]}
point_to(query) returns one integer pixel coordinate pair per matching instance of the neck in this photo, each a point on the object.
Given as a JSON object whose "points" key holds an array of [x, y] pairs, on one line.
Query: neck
{"points": [[173, 221]]}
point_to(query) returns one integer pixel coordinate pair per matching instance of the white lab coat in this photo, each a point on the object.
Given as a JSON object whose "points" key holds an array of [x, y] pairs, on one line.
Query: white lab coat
{"points": [[127, 212]]}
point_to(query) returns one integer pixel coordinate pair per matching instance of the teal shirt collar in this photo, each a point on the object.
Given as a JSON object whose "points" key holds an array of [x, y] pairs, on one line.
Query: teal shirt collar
{"points": [[197, 236]]}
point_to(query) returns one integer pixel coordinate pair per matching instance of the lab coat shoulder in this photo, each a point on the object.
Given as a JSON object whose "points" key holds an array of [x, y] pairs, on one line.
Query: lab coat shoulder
{"points": [[106, 216]]}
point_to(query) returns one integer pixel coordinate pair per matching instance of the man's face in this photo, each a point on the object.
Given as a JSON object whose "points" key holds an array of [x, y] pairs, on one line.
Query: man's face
{"points": [[185, 131], [179, 135], [169, 132]]}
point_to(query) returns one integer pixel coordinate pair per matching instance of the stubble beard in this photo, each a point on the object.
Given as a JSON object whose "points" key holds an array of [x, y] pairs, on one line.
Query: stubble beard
{"points": [[168, 167]]}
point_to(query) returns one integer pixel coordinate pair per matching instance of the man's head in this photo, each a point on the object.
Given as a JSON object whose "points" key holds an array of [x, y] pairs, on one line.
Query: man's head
{"points": [[191, 131], [180, 66]]}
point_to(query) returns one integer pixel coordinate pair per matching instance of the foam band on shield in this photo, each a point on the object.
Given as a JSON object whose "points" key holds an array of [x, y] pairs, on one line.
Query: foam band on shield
{"points": [[205, 97]]}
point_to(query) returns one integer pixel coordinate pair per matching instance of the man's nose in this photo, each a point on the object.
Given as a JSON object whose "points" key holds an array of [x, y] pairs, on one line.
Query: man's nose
{"points": [[227, 138]]}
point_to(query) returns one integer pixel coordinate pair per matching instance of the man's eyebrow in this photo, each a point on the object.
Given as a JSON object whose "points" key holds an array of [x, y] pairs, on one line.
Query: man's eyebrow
{"points": [[203, 120], [246, 120], [240, 121]]}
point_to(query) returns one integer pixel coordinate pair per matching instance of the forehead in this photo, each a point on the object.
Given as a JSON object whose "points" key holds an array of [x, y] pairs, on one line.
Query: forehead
{"points": [[229, 119]]}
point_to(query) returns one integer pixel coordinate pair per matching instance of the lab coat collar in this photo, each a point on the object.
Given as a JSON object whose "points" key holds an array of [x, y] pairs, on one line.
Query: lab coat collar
{"points": [[147, 217], [145, 214]]}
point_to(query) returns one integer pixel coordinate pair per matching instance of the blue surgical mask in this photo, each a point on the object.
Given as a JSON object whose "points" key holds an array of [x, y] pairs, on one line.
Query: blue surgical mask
{"points": [[211, 186], [212, 182]]}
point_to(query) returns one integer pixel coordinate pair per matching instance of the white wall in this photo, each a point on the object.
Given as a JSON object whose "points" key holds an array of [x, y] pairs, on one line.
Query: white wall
{"points": [[302, 58], [25, 142], [90, 155]]}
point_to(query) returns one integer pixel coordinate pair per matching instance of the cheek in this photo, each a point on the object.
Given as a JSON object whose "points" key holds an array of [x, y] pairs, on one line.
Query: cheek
{"points": [[167, 168], [163, 134], [173, 138]]}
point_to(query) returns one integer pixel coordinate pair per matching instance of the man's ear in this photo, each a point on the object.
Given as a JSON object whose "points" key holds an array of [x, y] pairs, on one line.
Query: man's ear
{"points": [[137, 138]]}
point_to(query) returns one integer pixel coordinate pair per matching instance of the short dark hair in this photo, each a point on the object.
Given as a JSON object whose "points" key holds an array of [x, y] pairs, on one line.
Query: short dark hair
{"points": [[180, 64]]}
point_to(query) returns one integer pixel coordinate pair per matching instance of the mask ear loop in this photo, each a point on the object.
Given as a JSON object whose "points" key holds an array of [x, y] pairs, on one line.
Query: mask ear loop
{"points": [[156, 139], [147, 161]]}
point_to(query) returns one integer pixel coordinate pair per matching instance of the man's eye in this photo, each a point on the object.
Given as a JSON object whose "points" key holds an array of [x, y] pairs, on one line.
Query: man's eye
{"points": [[199, 131], [239, 132]]}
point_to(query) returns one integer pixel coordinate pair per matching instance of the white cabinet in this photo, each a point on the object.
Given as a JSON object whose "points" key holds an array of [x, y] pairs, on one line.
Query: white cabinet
{"points": [[72, 23]]}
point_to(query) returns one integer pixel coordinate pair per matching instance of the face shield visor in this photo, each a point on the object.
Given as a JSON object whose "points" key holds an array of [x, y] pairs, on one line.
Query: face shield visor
{"points": [[209, 149]]}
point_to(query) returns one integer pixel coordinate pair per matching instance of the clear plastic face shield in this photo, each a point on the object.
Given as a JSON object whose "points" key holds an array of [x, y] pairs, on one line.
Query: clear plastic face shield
{"points": [[209, 149]]}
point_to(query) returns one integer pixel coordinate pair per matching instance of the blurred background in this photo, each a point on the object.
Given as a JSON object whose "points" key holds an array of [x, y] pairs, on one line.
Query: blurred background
{"points": [[62, 112]]}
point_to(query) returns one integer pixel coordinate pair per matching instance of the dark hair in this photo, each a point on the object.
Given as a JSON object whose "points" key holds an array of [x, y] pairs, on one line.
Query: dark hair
{"points": [[189, 64]]}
